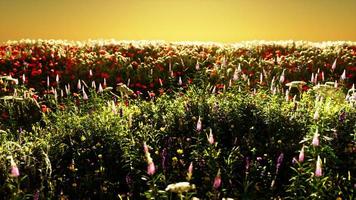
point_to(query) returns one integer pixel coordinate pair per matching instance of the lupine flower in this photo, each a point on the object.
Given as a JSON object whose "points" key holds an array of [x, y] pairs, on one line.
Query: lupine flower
{"points": [[47, 81], [85, 96], [282, 77], [100, 89], [197, 66], [217, 180], [57, 78], [316, 115], [315, 141], [190, 171], [211, 138], [318, 170], [199, 124], [23, 78], [104, 83], [287, 95], [180, 81], [333, 67], [301, 155], [343, 75], [279, 162], [236, 75], [79, 85], [312, 78], [90, 73]]}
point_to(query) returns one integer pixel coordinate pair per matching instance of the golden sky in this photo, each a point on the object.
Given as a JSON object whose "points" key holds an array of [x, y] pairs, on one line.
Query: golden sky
{"points": [[179, 20]]}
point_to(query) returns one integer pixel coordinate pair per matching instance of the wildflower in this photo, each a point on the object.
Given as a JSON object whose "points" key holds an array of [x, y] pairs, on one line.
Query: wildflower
{"points": [[85, 96], [333, 67], [79, 85], [318, 170], [316, 115], [217, 180], [90, 73], [180, 81], [315, 141], [236, 75], [23, 78], [211, 138], [197, 66], [301, 155], [180, 187], [57, 78], [100, 89], [15, 172], [282, 77], [190, 171], [47, 81], [151, 169], [199, 125], [343, 75], [279, 162]]}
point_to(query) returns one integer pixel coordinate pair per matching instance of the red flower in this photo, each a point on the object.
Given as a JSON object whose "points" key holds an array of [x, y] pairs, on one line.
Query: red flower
{"points": [[104, 75], [36, 72]]}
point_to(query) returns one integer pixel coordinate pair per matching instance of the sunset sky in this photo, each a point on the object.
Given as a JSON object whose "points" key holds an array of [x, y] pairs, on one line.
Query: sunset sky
{"points": [[179, 20]]}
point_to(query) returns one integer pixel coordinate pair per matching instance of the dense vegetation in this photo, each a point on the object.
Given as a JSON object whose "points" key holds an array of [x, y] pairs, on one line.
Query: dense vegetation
{"points": [[171, 121]]}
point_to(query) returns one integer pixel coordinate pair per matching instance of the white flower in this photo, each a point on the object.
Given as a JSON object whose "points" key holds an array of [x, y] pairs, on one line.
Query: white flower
{"points": [[180, 187]]}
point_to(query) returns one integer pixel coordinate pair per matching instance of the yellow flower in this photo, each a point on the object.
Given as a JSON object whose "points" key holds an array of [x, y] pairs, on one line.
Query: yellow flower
{"points": [[180, 151]]}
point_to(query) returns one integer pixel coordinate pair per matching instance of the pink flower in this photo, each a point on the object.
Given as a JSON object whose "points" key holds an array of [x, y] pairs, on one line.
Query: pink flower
{"points": [[199, 124], [145, 148], [315, 141], [301, 155], [151, 169], [217, 180], [14, 170], [211, 138], [180, 82], [318, 170], [79, 85], [343, 75], [190, 171]]}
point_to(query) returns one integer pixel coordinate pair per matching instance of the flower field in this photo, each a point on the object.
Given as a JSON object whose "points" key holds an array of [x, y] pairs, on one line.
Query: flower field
{"points": [[157, 120]]}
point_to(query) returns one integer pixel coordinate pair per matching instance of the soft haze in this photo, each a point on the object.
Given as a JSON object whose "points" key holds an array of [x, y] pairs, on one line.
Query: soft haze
{"points": [[179, 20]]}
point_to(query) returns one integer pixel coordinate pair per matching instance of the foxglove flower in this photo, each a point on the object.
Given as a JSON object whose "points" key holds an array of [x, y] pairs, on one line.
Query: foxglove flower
{"points": [[217, 180], [15, 172], [301, 155], [318, 170], [199, 125], [315, 141], [151, 169]]}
